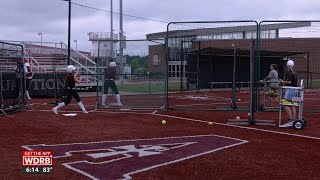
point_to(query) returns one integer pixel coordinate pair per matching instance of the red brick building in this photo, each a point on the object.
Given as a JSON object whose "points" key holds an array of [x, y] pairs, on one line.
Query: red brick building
{"points": [[304, 51]]}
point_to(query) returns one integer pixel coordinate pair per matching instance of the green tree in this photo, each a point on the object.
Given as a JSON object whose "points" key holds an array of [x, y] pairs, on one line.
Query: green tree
{"points": [[136, 62]]}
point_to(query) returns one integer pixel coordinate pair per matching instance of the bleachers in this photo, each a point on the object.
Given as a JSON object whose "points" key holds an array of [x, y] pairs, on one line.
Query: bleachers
{"points": [[51, 57], [49, 64], [7, 65]]}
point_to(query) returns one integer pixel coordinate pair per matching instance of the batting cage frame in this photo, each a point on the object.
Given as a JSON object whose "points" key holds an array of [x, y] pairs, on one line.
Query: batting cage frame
{"points": [[12, 78], [203, 39]]}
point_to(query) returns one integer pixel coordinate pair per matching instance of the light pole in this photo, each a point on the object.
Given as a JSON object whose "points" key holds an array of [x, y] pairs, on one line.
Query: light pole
{"points": [[121, 39], [40, 34], [69, 29], [111, 30], [76, 41]]}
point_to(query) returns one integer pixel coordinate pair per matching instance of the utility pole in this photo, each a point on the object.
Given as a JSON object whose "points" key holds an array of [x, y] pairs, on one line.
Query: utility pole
{"points": [[69, 29], [121, 40], [76, 41], [111, 31], [40, 34]]}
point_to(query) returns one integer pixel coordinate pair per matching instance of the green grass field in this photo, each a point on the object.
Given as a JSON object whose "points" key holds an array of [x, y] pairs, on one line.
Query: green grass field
{"points": [[314, 84], [153, 87], [158, 87]]}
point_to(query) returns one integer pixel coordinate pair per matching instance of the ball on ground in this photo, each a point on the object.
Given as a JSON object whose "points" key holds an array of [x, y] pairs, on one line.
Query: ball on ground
{"points": [[164, 122], [239, 100], [238, 117], [210, 123], [45, 103]]}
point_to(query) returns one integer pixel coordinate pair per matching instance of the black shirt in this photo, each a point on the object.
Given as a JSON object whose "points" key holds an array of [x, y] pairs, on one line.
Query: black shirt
{"points": [[290, 76], [110, 73], [70, 82]]}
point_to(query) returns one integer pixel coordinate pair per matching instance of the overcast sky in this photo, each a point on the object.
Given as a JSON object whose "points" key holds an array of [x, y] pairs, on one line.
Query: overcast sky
{"points": [[23, 19]]}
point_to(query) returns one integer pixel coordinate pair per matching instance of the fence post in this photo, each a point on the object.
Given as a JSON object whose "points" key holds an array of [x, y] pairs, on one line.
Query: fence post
{"points": [[148, 73]]}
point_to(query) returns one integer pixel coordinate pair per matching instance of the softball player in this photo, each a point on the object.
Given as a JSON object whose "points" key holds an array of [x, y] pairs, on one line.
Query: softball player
{"points": [[71, 79], [29, 75], [110, 75]]}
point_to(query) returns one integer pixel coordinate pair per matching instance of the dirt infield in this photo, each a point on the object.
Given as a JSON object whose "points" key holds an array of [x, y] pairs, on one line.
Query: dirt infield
{"points": [[151, 150]]}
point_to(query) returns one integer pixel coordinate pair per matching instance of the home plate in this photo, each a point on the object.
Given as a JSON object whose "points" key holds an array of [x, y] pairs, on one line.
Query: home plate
{"points": [[70, 114]]}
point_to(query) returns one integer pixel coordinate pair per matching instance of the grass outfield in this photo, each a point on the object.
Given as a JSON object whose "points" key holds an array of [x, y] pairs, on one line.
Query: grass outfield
{"points": [[314, 84], [154, 87], [146, 87]]}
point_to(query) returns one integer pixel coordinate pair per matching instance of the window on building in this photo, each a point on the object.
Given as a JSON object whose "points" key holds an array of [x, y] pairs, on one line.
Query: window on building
{"points": [[249, 35], [173, 70]]}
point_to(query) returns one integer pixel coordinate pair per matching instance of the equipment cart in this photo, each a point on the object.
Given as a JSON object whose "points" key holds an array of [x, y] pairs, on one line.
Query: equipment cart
{"points": [[292, 96]]}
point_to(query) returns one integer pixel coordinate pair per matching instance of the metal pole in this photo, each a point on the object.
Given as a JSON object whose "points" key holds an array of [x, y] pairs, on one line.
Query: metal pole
{"points": [[198, 67], [76, 41], [111, 29], [149, 82], [308, 69], [234, 101], [40, 34], [252, 83], [166, 72], [1, 94], [97, 77], [181, 65], [69, 31], [121, 37]]}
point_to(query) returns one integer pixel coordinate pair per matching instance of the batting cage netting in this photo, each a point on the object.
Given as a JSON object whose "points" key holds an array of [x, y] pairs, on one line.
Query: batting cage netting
{"points": [[210, 64], [12, 79], [298, 41], [137, 80]]}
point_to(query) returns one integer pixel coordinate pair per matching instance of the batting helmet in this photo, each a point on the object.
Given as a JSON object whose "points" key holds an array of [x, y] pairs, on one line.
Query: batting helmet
{"points": [[112, 64], [290, 63], [70, 68]]}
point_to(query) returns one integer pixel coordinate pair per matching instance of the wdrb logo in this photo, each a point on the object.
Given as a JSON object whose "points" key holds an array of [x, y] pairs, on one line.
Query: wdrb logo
{"points": [[37, 158]]}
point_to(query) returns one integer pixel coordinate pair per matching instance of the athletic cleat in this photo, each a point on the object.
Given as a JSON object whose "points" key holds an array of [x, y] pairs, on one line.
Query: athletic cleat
{"points": [[119, 104], [85, 112], [55, 110], [288, 124]]}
